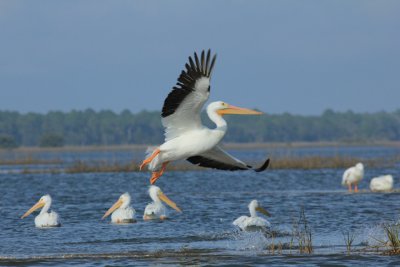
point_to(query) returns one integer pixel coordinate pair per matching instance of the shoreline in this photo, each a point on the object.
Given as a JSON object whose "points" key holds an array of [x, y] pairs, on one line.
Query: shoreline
{"points": [[225, 145]]}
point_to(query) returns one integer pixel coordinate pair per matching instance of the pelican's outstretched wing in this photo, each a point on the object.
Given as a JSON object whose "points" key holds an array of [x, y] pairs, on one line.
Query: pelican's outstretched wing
{"points": [[181, 110], [217, 158]]}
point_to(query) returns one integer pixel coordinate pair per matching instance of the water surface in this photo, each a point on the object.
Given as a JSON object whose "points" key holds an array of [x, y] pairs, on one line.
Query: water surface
{"points": [[203, 232]]}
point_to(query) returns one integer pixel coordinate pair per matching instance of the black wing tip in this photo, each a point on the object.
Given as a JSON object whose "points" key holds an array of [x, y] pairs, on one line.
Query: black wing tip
{"points": [[195, 68], [263, 167], [213, 164], [201, 67]]}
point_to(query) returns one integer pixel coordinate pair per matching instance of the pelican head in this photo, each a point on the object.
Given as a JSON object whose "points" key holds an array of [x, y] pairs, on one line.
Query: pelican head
{"points": [[43, 201], [156, 195], [222, 108], [123, 202], [360, 166], [255, 206]]}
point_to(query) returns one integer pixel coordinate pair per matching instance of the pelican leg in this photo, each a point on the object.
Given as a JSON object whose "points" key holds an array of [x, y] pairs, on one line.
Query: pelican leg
{"points": [[149, 159], [356, 188], [156, 175], [349, 186]]}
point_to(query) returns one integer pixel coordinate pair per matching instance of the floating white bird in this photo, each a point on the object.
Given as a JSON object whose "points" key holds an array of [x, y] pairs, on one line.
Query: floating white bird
{"points": [[156, 210], [121, 210], [381, 183], [45, 218], [352, 176], [253, 223], [185, 136]]}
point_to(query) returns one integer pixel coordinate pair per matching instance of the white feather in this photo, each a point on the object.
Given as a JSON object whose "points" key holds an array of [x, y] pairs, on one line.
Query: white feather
{"points": [[253, 222], [381, 183], [353, 175], [187, 115]]}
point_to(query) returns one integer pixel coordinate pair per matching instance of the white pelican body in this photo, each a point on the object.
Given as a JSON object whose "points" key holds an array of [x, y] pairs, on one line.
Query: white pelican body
{"points": [[45, 218], [352, 176], [121, 210], [156, 210], [185, 135], [381, 183], [253, 222]]}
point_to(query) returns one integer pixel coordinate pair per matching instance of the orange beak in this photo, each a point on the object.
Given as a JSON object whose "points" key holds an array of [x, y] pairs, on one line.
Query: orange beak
{"points": [[114, 207], [237, 110], [38, 205], [170, 203]]}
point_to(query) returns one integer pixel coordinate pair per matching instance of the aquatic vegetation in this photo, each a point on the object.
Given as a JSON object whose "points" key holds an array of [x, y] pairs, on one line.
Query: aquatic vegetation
{"points": [[348, 239], [288, 162], [388, 238], [392, 234], [302, 233]]}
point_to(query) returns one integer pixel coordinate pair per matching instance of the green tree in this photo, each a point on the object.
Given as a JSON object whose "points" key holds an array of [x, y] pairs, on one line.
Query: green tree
{"points": [[7, 141], [51, 140]]}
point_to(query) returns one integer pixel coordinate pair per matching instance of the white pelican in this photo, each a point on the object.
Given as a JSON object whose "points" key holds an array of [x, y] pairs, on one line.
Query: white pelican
{"points": [[353, 175], [185, 136], [253, 222], [156, 209], [45, 218], [121, 210], [381, 183]]}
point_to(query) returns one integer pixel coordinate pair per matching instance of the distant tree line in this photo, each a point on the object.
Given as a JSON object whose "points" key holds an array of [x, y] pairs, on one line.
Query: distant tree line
{"points": [[109, 128]]}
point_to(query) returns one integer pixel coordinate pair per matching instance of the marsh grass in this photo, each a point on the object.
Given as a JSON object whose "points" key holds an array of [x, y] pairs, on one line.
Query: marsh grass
{"points": [[335, 162], [391, 241], [29, 160], [348, 239], [104, 166], [101, 166], [302, 233], [272, 245], [392, 234], [288, 162]]}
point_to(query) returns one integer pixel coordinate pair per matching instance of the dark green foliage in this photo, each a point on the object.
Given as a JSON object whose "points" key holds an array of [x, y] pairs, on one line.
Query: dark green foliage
{"points": [[51, 140], [7, 141], [109, 128]]}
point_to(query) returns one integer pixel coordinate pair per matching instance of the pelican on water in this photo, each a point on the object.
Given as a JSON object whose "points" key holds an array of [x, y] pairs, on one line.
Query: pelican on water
{"points": [[45, 218], [185, 136], [121, 210], [156, 210], [253, 222], [381, 183], [353, 175]]}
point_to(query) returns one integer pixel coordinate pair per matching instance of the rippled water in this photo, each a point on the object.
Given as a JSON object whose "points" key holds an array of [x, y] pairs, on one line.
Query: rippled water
{"points": [[203, 233]]}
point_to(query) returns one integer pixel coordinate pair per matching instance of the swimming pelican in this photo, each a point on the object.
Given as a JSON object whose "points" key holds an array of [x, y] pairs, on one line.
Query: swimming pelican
{"points": [[185, 136], [156, 210], [253, 222], [45, 218], [353, 175], [381, 183], [121, 211]]}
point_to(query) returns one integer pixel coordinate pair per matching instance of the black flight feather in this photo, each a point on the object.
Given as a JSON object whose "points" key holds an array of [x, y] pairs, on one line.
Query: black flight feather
{"points": [[194, 70]]}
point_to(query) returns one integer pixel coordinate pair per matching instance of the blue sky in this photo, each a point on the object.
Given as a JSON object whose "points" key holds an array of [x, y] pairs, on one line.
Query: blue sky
{"points": [[279, 56]]}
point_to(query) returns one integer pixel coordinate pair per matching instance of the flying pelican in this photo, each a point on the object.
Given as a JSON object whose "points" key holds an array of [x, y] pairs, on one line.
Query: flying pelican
{"points": [[156, 209], [185, 136], [121, 211], [381, 183], [253, 222], [45, 218], [353, 175]]}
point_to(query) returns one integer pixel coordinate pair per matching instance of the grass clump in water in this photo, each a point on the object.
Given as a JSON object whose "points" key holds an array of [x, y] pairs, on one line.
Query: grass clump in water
{"points": [[391, 239], [348, 239], [303, 234], [392, 234]]}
